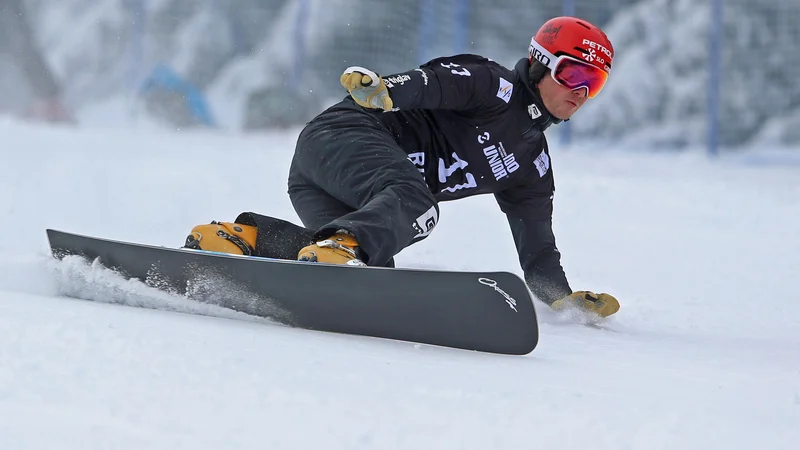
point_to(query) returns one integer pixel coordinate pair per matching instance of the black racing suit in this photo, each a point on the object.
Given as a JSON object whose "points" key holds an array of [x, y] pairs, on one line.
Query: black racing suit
{"points": [[462, 126]]}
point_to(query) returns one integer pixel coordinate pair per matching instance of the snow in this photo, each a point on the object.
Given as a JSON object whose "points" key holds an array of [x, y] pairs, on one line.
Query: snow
{"points": [[705, 352]]}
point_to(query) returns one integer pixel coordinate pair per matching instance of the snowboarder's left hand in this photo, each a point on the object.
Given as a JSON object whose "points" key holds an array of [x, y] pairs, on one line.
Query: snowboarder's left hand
{"points": [[602, 304], [366, 88]]}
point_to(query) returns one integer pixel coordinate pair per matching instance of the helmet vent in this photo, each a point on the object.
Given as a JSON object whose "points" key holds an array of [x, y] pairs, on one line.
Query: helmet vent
{"points": [[583, 24]]}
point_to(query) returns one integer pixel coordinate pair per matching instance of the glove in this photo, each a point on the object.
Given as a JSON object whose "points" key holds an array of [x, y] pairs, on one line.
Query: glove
{"points": [[366, 88], [602, 304]]}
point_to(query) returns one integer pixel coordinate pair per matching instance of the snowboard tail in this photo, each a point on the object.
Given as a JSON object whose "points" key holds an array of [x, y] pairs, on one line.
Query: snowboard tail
{"points": [[482, 311]]}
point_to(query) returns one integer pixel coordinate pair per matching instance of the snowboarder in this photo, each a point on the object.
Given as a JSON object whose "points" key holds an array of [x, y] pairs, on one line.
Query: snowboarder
{"points": [[368, 173]]}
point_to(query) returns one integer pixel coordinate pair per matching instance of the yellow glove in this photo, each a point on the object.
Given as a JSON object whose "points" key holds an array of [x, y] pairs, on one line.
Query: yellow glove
{"points": [[366, 88], [602, 304]]}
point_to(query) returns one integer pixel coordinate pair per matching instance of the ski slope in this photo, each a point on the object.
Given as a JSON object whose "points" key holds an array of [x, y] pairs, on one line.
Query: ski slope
{"points": [[705, 352]]}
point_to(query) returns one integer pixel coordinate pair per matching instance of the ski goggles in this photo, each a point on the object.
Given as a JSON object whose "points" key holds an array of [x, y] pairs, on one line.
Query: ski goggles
{"points": [[571, 72]]}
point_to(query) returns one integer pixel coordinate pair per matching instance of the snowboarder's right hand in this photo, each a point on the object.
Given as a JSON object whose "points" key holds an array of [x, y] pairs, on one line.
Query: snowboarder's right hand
{"points": [[366, 88]]}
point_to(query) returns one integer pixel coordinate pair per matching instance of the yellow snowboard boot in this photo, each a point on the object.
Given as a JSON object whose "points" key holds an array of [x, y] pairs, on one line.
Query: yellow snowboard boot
{"points": [[224, 237], [341, 248], [602, 304]]}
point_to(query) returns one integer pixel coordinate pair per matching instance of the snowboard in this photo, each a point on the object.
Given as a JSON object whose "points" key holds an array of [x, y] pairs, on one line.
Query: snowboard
{"points": [[481, 311]]}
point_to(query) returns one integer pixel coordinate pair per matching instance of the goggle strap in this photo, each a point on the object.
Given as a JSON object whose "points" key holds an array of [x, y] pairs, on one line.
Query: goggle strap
{"points": [[542, 55]]}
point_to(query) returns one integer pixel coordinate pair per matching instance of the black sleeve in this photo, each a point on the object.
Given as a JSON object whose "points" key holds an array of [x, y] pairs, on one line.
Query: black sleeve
{"points": [[457, 83], [530, 218]]}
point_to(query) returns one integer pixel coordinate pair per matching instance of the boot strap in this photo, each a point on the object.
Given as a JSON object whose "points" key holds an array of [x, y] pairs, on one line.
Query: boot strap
{"points": [[194, 242], [237, 241], [329, 243]]}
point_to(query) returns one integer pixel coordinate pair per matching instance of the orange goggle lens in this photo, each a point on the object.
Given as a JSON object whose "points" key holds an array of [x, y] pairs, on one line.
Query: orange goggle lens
{"points": [[576, 74]]}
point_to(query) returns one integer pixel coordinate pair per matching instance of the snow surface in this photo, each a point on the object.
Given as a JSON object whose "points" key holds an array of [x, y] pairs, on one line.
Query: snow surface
{"points": [[705, 352]]}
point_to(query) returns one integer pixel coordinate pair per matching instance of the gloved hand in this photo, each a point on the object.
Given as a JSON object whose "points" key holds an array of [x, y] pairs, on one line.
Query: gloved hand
{"points": [[602, 304], [366, 88]]}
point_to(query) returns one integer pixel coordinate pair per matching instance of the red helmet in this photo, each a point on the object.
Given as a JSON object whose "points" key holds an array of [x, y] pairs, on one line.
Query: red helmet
{"points": [[573, 37]]}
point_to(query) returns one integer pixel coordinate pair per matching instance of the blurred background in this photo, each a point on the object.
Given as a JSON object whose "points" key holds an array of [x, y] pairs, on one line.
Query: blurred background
{"points": [[709, 75]]}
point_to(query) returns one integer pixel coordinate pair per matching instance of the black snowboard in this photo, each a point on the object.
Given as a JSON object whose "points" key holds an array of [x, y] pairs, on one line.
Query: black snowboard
{"points": [[484, 311]]}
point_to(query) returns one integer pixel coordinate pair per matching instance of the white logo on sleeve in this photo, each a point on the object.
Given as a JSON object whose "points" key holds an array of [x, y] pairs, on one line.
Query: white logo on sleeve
{"points": [[397, 79], [505, 90], [542, 163], [425, 223], [424, 76]]}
